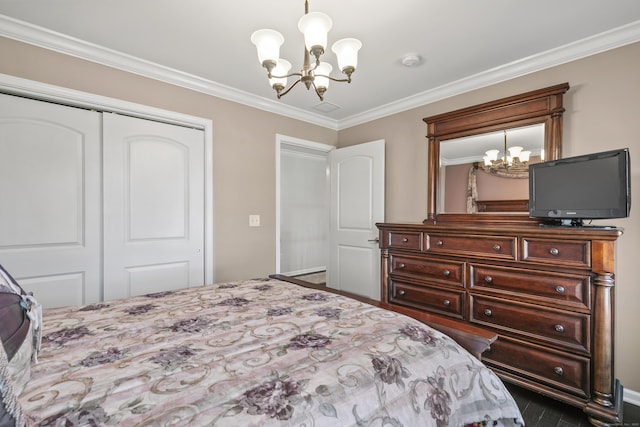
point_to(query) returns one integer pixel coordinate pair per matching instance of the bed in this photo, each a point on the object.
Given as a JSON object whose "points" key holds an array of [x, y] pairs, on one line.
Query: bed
{"points": [[253, 353]]}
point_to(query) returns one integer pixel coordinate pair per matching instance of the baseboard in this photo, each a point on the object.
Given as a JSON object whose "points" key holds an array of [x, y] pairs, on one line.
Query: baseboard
{"points": [[305, 271], [631, 397]]}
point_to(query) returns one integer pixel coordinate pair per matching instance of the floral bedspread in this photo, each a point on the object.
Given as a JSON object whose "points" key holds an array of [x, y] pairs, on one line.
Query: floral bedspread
{"points": [[257, 352]]}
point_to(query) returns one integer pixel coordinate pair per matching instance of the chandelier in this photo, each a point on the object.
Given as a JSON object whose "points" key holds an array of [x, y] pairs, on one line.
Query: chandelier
{"points": [[513, 160], [314, 26]]}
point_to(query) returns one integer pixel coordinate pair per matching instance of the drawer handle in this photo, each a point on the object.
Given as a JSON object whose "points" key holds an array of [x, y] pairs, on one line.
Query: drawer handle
{"points": [[488, 279], [497, 247], [401, 292], [446, 273], [558, 370], [440, 243], [401, 265], [559, 328], [554, 251], [446, 302], [405, 240], [487, 312], [560, 289]]}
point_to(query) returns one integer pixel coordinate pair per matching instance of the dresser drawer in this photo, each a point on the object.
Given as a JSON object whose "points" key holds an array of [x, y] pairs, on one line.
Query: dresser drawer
{"points": [[557, 369], [405, 240], [442, 301], [568, 253], [562, 328], [449, 272], [495, 247], [572, 289]]}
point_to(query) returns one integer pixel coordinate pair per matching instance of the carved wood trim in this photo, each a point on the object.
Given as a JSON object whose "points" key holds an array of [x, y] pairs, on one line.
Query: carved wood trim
{"points": [[600, 395], [520, 205], [538, 106]]}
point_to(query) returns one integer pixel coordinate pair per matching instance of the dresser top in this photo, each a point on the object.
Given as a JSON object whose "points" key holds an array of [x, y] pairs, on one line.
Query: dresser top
{"points": [[510, 229]]}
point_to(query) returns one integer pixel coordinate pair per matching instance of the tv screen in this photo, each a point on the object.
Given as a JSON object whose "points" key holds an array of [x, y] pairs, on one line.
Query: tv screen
{"points": [[591, 186]]}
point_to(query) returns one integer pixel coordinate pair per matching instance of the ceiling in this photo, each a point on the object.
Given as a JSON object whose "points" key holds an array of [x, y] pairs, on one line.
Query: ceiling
{"points": [[205, 45]]}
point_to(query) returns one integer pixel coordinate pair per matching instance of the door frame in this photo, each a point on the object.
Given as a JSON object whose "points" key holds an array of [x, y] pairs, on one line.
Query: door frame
{"points": [[46, 92], [283, 140]]}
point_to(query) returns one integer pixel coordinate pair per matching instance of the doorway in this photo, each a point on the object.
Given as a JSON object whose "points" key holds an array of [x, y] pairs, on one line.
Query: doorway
{"points": [[302, 207], [337, 197]]}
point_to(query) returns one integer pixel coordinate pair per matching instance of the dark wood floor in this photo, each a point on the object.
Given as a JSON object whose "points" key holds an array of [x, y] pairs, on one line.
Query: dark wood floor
{"points": [[541, 411]]}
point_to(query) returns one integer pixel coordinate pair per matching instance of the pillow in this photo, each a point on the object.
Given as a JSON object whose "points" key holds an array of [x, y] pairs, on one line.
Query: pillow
{"points": [[20, 329], [10, 410], [14, 322]]}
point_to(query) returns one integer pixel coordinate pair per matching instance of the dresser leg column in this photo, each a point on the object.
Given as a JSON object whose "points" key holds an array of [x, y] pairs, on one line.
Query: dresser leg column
{"points": [[384, 278], [605, 408]]}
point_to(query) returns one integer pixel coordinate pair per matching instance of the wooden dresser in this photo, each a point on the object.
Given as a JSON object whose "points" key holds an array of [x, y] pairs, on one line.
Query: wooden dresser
{"points": [[548, 292]]}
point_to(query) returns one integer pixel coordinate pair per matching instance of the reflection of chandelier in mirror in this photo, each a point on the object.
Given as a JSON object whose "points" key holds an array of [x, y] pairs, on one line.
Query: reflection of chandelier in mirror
{"points": [[513, 159], [315, 27]]}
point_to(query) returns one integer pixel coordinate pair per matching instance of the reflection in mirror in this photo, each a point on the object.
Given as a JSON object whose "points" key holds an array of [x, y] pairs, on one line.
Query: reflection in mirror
{"points": [[468, 186]]}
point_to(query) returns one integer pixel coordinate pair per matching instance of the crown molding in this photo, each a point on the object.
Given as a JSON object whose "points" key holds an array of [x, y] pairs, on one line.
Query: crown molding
{"points": [[38, 36], [598, 43], [41, 37]]}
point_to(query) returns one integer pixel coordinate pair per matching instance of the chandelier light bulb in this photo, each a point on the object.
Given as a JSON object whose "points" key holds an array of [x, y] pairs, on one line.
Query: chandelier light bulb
{"points": [[492, 155], [278, 74], [315, 26], [268, 44], [515, 151], [346, 51], [324, 69]]}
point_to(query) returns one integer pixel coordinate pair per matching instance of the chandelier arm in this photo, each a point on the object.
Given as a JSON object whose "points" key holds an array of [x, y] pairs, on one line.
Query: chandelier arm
{"points": [[319, 93], [347, 80], [289, 88], [271, 76]]}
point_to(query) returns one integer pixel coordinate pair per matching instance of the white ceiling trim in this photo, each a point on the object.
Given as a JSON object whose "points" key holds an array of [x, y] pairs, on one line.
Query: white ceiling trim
{"points": [[42, 37], [38, 36], [590, 46]]}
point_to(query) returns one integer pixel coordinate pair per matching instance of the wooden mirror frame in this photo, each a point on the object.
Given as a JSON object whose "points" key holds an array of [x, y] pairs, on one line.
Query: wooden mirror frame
{"points": [[539, 106]]}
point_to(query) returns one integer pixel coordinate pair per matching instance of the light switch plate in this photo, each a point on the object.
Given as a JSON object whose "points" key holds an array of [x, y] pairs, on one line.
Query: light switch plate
{"points": [[254, 220]]}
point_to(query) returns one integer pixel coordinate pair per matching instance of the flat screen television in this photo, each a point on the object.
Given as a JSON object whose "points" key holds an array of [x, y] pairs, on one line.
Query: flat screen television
{"points": [[571, 190]]}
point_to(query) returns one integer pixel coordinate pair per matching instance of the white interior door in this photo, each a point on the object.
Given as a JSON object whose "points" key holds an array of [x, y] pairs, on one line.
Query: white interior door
{"points": [[50, 198], [357, 203], [154, 206]]}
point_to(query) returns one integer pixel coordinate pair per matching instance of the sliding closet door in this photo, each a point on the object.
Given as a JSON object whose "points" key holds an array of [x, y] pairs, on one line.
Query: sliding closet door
{"points": [[153, 206], [50, 199]]}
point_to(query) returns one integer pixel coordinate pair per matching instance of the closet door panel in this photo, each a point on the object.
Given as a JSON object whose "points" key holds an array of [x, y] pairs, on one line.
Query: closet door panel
{"points": [[50, 198], [154, 206]]}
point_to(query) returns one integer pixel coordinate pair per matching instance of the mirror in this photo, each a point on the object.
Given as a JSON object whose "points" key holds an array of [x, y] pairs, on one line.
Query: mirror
{"points": [[470, 185], [452, 136]]}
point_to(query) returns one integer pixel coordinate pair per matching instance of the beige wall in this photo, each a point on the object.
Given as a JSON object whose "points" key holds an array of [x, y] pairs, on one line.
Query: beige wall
{"points": [[602, 113], [243, 148]]}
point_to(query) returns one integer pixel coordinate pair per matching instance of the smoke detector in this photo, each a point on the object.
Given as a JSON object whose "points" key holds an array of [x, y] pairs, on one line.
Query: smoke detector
{"points": [[411, 60]]}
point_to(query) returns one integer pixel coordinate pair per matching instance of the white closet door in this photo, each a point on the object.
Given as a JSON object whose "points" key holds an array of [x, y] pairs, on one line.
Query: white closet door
{"points": [[50, 199], [153, 206]]}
